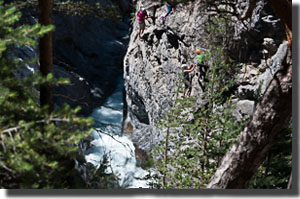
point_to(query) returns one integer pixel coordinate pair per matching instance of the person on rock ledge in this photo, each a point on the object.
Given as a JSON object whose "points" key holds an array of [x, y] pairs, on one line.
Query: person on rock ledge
{"points": [[201, 68], [142, 15], [171, 6], [187, 79]]}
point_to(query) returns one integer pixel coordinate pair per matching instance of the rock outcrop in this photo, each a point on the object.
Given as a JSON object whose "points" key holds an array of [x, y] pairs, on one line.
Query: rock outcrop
{"points": [[152, 66]]}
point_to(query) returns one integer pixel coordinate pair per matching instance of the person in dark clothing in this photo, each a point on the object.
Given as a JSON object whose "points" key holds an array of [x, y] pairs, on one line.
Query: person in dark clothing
{"points": [[171, 6], [201, 69], [187, 79]]}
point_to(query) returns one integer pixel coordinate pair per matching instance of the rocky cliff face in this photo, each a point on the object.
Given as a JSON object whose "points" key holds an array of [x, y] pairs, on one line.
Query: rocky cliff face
{"points": [[92, 49], [152, 66]]}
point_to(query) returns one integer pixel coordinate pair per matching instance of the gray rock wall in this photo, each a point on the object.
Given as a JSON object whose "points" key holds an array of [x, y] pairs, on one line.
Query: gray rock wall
{"points": [[151, 66]]}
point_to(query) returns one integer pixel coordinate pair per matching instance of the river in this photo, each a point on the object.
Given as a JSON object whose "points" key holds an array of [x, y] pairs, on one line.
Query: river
{"points": [[108, 141]]}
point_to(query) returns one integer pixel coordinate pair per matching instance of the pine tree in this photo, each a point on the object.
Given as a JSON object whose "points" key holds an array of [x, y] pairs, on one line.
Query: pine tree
{"points": [[37, 148]]}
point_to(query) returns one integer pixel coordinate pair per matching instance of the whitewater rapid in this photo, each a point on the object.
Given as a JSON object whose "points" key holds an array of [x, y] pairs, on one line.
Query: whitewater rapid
{"points": [[108, 141]]}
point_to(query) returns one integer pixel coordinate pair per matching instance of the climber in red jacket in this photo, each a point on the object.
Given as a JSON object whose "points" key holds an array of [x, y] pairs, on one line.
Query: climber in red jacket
{"points": [[142, 15]]}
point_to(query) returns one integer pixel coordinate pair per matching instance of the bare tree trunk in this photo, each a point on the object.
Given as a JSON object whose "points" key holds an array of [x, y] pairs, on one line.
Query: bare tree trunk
{"points": [[46, 57], [219, 156], [290, 182], [270, 116]]}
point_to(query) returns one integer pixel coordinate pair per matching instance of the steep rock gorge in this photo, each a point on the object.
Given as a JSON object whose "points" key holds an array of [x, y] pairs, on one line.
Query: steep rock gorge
{"points": [[152, 66]]}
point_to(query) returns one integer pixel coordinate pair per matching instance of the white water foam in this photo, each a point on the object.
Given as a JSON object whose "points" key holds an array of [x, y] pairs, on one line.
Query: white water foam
{"points": [[107, 141]]}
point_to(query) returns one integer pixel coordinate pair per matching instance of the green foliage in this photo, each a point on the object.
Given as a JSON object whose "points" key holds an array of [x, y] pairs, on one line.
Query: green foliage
{"points": [[196, 138], [132, 16], [37, 148], [275, 171], [100, 178]]}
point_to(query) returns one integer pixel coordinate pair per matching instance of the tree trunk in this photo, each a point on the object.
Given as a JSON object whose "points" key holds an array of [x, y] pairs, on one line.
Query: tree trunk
{"points": [[268, 164], [290, 182], [283, 9], [270, 116], [46, 57]]}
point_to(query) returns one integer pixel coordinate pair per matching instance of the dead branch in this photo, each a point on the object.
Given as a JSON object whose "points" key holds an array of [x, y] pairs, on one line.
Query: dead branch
{"points": [[16, 128]]}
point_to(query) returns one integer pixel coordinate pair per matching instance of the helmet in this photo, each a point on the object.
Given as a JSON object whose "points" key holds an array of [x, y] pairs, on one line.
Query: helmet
{"points": [[143, 9], [198, 51], [183, 65]]}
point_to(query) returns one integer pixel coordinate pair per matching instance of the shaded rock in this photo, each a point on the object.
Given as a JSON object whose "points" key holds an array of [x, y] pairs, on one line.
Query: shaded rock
{"points": [[269, 47], [249, 35], [25, 55], [246, 92], [138, 108], [69, 94], [243, 108], [92, 48], [140, 155]]}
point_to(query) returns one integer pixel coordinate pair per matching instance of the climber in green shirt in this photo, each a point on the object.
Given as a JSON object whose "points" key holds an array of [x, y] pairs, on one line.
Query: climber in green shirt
{"points": [[201, 68], [200, 57]]}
